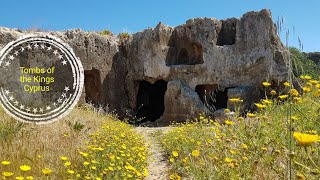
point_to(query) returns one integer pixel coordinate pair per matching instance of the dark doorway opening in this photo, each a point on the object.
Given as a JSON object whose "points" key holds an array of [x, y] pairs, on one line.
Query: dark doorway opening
{"points": [[227, 34], [92, 84], [212, 97], [150, 100], [183, 56]]}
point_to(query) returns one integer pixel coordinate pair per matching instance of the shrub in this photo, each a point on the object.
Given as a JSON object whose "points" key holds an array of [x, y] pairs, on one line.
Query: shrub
{"points": [[303, 65], [106, 32], [123, 36]]}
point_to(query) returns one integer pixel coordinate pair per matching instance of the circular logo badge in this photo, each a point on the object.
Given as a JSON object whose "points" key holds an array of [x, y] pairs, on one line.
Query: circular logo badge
{"points": [[41, 79]]}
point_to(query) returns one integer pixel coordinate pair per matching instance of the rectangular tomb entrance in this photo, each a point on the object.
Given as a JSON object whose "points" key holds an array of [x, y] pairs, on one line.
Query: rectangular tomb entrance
{"points": [[92, 84], [150, 100], [212, 97]]}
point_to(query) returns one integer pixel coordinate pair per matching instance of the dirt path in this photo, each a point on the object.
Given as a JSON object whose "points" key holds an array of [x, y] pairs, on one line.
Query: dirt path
{"points": [[158, 165]]}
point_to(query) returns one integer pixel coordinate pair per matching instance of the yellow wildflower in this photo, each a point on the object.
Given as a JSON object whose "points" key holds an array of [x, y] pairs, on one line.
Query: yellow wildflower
{"points": [[171, 177], [178, 177], [20, 178], [5, 163], [232, 151], [29, 178], [195, 153], [7, 174], [124, 146], [67, 163], [63, 158], [251, 115], [145, 172], [306, 77], [46, 171], [305, 139], [314, 82], [294, 92], [70, 171], [260, 106], [286, 84], [83, 154], [294, 118], [266, 84], [267, 101], [244, 146], [175, 153], [25, 168], [228, 160], [229, 122], [282, 97], [306, 89]]}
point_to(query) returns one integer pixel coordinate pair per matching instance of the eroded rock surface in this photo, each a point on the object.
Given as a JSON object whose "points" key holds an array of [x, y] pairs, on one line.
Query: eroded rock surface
{"points": [[174, 73]]}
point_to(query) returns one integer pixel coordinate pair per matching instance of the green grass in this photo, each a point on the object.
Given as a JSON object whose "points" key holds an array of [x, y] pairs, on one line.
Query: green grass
{"points": [[303, 65], [248, 148], [93, 145]]}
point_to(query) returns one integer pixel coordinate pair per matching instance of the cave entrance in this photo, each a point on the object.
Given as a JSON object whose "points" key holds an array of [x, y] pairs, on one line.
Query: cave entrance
{"points": [[150, 100], [212, 97], [92, 84], [227, 33]]}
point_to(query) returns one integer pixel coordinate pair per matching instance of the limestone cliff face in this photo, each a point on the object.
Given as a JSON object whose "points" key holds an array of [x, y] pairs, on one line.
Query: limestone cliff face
{"points": [[207, 55], [173, 73]]}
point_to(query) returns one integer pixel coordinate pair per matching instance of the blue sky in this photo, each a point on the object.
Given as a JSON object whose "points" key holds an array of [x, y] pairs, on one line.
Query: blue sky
{"points": [[134, 16]]}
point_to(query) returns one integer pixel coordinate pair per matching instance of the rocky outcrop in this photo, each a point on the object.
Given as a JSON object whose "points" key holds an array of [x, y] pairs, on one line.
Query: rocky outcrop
{"points": [[173, 73], [180, 98], [208, 55], [97, 54]]}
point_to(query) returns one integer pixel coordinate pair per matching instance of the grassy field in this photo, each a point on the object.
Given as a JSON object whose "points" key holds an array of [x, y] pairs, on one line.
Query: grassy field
{"points": [[257, 146], [85, 145], [282, 134]]}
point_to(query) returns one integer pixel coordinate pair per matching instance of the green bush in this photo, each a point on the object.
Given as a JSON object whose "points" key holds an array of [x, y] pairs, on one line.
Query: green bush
{"points": [[303, 65], [106, 32]]}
